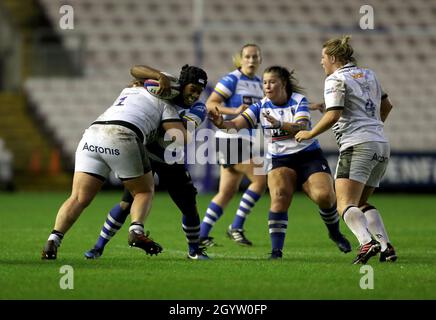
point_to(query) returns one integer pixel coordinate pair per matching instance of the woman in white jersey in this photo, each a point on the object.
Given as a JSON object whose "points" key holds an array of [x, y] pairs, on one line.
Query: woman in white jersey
{"points": [[232, 95], [116, 142], [281, 114], [356, 108]]}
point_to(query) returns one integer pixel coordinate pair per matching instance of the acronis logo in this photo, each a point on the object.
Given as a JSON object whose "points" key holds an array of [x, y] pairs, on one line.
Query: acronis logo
{"points": [[98, 149]]}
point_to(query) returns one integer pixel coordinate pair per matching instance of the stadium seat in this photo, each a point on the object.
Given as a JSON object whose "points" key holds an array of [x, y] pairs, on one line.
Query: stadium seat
{"points": [[121, 33]]}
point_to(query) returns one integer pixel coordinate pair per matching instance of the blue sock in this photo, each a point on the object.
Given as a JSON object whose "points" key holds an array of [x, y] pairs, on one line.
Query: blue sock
{"points": [[191, 227], [113, 223], [277, 224], [248, 200], [331, 219], [213, 213]]}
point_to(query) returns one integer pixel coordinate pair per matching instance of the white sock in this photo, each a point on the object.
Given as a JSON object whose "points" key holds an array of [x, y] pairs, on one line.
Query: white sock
{"points": [[57, 240], [376, 227], [137, 228], [356, 221]]}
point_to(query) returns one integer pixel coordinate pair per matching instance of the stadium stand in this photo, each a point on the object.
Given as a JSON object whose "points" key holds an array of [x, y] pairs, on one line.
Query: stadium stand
{"points": [[72, 75], [119, 34]]}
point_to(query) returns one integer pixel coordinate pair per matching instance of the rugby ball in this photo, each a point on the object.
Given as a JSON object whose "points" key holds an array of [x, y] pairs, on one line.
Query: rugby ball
{"points": [[152, 86]]}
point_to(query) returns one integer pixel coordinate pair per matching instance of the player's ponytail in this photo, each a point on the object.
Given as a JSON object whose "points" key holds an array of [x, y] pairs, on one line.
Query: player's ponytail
{"points": [[340, 49]]}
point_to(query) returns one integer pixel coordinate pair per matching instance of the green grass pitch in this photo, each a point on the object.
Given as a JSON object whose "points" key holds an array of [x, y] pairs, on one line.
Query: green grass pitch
{"points": [[312, 267]]}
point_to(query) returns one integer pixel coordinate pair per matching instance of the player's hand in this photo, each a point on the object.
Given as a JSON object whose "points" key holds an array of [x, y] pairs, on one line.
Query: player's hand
{"points": [[275, 124], [216, 117], [164, 85], [317, 106], [303, 135], [241, 109]]}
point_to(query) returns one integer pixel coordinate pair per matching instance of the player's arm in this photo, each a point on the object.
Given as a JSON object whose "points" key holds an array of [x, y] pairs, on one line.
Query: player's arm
{"points": [[291, 127], [317, 106], [175, 131], [217, 101], [237, 123], [385, 108], [142, 72], [327, 121], [334, 99]]}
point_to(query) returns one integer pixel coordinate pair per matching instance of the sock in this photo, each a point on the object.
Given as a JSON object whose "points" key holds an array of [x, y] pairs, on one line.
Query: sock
{"points": [[376, 226], [114, 221], [248, 200], [331, 220], [57, 237], [191, 227], [277, 223], [356, 221], [136, 227], [213, 213]]}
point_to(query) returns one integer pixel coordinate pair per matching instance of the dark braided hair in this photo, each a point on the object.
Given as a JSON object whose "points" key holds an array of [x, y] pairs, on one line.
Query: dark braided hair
{"points": [[287, 77], [191, 74]]}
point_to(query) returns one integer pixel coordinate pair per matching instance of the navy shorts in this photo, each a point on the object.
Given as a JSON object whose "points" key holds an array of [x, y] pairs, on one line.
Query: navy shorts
{"points": [[304, 163]]}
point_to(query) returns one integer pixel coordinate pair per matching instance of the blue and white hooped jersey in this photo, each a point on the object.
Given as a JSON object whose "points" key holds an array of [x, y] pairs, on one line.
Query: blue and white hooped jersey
{"points": [[196, 113], [236, 89], [280, 142]]}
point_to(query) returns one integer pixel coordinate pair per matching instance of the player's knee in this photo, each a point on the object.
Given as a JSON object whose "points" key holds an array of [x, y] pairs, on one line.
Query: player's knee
{"points": [[82, 200], [325, 198], [258, 186]]}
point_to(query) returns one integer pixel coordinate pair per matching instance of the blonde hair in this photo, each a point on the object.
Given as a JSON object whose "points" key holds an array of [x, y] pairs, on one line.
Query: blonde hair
{"points": [[340, 49], [238, 56]]}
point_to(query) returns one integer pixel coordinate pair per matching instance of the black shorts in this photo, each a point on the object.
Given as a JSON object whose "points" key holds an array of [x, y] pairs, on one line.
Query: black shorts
{"points": [[231, 151], [304, 163], [171, 175]]}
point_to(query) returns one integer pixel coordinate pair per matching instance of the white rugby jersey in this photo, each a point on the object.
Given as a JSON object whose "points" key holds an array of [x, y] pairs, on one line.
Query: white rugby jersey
{"points": [[358, 92], [280, 142], [137, 106], [236, 89]]}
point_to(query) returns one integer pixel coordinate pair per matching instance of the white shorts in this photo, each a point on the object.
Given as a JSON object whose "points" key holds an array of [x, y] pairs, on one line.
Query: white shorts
{"points": [[365, 162], [106, 148]]}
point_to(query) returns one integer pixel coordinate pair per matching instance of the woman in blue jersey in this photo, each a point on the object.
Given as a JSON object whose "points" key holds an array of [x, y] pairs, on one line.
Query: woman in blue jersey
{"points": [[232, 95], [282, 113], [356, 110]]}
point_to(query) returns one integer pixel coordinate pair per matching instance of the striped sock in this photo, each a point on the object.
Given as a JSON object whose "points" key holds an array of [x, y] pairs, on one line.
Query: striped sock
{"points": [[113, 223], [331, 220], [191, 227], [248, 200], [213, 213], [277, 223]]}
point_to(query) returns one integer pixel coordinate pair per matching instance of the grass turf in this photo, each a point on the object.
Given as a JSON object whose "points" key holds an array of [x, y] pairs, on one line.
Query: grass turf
{"points": [[312, 266]]}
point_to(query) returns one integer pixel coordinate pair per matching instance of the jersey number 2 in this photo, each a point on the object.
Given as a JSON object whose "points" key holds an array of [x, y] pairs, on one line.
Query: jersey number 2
{"points": [[120, 103]]}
